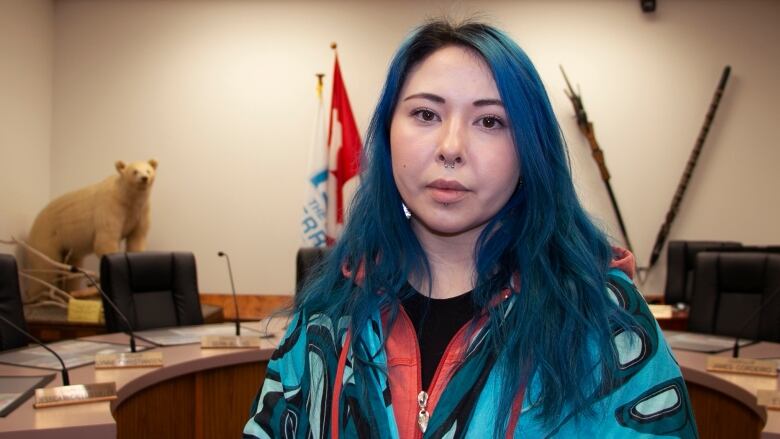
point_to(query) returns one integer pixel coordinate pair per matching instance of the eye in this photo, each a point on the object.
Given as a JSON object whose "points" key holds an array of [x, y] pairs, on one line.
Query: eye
{"points": [[135, 172], [425, 115], [491, 122]]}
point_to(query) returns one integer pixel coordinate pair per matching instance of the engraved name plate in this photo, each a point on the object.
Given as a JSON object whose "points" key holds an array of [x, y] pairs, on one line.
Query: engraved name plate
{"points": [[128, 359], [229, 341], [74, 394], [746, 366]]}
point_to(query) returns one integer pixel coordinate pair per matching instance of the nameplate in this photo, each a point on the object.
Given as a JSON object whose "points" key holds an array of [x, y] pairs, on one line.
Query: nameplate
{"points": [[661, 311], [128, 360], [769, 399], [75, 394], [746, 366], [84, 311], [229, 341]]}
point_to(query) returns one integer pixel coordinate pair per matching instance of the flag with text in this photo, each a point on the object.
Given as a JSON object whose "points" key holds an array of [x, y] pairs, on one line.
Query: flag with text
{"points": [[315, 204]]}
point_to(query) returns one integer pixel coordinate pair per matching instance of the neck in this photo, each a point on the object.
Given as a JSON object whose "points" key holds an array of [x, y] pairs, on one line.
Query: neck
{"points": [[451, 259]]}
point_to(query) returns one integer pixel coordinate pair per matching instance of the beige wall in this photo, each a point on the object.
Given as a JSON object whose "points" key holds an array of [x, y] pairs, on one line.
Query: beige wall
{"points": [[221, 93], [25, 113]]}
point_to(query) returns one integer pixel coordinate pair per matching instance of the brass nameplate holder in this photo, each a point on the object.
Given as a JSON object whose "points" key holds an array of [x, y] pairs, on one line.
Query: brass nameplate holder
{"points": [[769, 399], [229, 341], [746, 366], [128, 360], [74, 394]]}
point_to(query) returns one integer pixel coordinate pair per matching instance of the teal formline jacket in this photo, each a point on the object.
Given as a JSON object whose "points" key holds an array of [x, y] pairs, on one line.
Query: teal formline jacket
{"points": [[310, 392]]}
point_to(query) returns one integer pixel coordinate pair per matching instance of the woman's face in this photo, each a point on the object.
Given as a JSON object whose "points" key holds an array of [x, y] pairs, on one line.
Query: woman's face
{"points": [[454, 161]]}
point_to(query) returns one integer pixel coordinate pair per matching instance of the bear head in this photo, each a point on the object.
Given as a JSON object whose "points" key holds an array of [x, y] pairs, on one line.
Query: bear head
{"points": [[138, 175]]}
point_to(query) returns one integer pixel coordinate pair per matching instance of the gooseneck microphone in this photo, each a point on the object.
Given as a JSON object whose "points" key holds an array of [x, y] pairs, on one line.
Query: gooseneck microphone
{"points": [[65, 378], [232, 286], [772, 297], [75, 269]]}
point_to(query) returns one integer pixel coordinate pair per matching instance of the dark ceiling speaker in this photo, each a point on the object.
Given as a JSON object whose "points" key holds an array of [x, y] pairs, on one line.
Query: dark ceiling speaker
{"points": [[647, 5]]}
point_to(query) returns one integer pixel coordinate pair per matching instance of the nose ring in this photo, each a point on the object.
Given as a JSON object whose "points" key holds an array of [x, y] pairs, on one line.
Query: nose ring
{"points": [[449, 164]]}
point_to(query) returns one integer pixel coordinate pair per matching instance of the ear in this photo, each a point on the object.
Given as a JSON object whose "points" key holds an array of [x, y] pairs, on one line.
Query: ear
{"points": [[120, 165], [153, 163]]}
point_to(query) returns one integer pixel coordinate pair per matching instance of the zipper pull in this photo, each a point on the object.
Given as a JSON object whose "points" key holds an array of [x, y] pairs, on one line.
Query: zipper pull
{"points": [[423, 415]]}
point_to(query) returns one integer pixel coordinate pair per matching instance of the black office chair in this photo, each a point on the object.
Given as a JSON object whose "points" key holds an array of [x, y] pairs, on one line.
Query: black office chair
{"points": [[153, 289], [729, 287], [681, 263], [10, 304], [307, 259]]}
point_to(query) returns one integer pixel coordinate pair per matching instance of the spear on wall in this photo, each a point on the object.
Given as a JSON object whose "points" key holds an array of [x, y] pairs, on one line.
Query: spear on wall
{"points": [[586, 127]]}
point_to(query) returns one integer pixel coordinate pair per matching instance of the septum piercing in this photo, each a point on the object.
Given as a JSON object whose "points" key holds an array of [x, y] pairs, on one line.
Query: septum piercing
{"points": [[450, 165]]}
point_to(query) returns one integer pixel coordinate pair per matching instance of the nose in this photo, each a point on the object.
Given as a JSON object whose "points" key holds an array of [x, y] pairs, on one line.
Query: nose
{"points": [[451, 148], [144, 179]]}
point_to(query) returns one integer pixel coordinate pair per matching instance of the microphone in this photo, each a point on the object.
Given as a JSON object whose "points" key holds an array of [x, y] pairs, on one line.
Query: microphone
{"points": [[233, 287], [75, 269], [65, 378], [735, 350]]}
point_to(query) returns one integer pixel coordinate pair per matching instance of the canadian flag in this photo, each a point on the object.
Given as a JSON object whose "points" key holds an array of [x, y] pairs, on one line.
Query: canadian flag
{"points": [[343, 157]]}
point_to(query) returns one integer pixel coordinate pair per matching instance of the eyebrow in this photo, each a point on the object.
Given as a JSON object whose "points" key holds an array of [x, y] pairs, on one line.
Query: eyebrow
{"points": [[441, 100]]}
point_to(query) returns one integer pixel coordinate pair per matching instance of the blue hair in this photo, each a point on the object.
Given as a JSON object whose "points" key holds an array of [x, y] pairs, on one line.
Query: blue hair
{"points": [[542, 233]]}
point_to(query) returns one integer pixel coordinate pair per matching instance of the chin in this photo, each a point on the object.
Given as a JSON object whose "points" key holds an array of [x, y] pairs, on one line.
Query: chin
{"points": [[448, 228]]}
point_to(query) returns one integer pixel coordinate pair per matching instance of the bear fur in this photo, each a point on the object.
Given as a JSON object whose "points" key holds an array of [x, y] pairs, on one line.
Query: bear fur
{"points": [[94, 219]]}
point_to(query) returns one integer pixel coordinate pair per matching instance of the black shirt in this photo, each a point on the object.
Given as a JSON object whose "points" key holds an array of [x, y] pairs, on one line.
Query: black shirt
{"points": [[436, 321]]}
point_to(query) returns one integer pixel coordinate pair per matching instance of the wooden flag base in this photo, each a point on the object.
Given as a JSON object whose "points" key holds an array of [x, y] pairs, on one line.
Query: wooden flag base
{"points": [[74, 394], [128, 360], [229, 342]]}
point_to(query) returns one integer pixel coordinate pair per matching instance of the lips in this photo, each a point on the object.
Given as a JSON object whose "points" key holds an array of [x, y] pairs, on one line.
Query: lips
{"points": [[447, 191]]}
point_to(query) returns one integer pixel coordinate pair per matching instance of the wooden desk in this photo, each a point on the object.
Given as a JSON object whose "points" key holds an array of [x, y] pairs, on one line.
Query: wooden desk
{"points": [[207, 394], [199, 393], [725, 404]]}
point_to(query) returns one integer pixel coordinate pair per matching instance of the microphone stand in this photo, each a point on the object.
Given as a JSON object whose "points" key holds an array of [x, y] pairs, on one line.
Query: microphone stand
{"points": [[65, 377], [735, 349], [233, 341], [75, 269], [233, 287]]}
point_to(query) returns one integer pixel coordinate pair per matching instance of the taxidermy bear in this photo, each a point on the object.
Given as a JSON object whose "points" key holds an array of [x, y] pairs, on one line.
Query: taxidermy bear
{"points": [[94, 219]]}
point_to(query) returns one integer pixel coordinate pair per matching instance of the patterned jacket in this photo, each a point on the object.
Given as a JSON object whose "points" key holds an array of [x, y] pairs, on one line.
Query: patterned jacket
{"points": [[311, 392]]}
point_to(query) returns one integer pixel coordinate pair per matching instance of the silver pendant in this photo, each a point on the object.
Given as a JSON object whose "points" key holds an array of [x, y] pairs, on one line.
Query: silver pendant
{"points": [[423, 416]]}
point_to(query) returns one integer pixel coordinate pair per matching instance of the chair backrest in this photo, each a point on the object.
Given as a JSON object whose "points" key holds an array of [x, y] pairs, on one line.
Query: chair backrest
{"points": [[680, 265], [153, 289], [11, 304], [305, 261], [729, 287]]}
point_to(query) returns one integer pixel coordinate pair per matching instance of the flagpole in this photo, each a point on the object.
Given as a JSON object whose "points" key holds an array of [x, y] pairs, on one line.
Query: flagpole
{"points": [[319, 84]]}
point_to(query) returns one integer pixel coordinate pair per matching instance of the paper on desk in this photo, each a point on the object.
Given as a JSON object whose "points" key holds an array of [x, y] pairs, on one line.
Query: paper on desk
{"points": [[73, 352], [6, 399], [701, 342], [189, 334], [14, 390]]}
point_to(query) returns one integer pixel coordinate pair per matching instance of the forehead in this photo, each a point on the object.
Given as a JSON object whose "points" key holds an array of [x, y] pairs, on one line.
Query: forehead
{"points": [[451, 69]]}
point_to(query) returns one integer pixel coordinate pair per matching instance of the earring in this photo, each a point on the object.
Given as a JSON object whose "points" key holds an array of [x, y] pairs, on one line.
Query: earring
{"points": [[407, 212]]}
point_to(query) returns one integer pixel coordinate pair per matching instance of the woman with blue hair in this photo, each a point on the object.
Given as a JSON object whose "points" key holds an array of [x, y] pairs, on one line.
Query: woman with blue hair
{"points": [[470, 295]]}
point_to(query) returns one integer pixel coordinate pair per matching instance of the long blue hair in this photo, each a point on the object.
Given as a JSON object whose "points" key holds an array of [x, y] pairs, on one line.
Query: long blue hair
{"points": [[542, 234]]}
